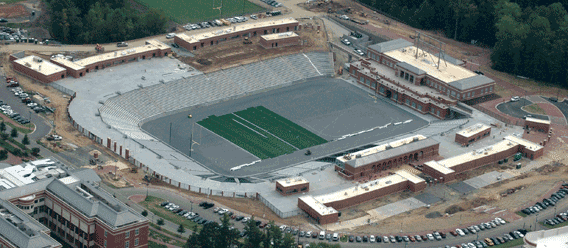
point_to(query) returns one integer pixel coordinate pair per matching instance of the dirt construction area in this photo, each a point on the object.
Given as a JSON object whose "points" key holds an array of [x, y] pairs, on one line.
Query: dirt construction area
{"points": [[12, 11]]}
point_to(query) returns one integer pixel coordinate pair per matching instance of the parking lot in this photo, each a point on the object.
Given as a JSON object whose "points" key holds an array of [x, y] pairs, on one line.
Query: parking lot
{"points": [[513, 108]]}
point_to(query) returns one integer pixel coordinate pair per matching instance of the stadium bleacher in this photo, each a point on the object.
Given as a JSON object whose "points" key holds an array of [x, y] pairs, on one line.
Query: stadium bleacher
{"points": [[126, 111]]}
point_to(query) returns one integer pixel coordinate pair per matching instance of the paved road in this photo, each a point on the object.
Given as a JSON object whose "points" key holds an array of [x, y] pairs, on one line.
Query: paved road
{"points": [[514, 109]]}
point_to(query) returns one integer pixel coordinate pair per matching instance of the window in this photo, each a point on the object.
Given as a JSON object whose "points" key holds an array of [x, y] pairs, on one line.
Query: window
{"points": [[438, 112], [382, 90], [435, 86], [453, 93], [362, 79], [368, 82], [491, 89], [411, 79], [413, 104], [136, 231], [136, 242], [472, 93], [407, 101], [127, 234], [468, 94], [126, 244], [105, 243], [406, 76], [419, 107], [401, 74], [106, 233]]}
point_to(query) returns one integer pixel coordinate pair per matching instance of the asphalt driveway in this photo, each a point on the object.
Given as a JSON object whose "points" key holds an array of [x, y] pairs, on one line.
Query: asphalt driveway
{"points": [[514, 109]]}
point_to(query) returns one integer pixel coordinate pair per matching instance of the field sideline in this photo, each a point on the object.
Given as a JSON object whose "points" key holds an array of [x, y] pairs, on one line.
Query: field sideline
{"points": [[184, 11]]}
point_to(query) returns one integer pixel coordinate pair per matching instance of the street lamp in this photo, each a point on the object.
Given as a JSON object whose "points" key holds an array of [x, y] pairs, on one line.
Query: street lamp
{"points": [[30, 126]]}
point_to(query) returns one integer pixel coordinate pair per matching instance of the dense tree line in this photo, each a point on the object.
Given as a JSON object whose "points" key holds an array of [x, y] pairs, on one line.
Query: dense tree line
{"points": [[215, 235], [530, 37], [101, 21]]}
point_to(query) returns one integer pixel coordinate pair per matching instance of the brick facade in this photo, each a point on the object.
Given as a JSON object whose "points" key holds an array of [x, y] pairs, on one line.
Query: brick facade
{"points": [[279, 42], [354, 173], [37, 75], [321, 219], [537, 125], [465, 140], [251, 32], [293, 189]]}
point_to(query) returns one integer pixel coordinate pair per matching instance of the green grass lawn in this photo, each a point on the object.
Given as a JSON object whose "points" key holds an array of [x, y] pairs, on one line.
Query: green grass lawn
{"points": [[521, 214], [166, 239], [534, 109], [153, 204], [152, 244], [556, 226], [281, 127], [247, 136], [184, 11]]}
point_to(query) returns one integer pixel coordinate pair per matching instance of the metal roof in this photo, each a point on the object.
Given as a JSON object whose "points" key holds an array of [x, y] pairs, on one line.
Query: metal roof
{"points": [[22, 230], [390, 45], [410, 68], [397, 151], [471, 82]]}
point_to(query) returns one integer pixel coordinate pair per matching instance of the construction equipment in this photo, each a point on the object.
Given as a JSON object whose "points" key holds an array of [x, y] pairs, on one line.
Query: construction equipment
{"points": [[228, 23], [247, 41], [99, 48]]}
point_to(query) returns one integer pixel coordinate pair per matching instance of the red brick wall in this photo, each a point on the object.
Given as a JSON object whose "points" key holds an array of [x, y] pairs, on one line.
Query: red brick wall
{"points": [[331, 218], [36, 75], [284, 42], [387, 163], [219, 39], [541, 127], [465, 140], [437, 175], [284, 190]]}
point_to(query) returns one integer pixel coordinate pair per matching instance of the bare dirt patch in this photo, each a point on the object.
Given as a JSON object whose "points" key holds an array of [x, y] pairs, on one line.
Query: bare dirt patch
{"points": [[13, 11]]}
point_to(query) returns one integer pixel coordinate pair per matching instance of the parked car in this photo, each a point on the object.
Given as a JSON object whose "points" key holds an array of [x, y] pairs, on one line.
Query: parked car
{"points": [[170, 35], [121, 44], [346, 42], [515, 99]]}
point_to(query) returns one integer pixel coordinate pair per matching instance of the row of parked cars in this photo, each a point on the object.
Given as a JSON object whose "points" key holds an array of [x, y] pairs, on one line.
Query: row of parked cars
{"points": [[272, 3], [548, 202], [7, 110], [26, 99]]}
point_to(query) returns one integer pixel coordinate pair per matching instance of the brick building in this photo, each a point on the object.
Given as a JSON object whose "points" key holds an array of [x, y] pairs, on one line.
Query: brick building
{"points": [[69, 205], [445, 170], [37, 68], [323, 208], [211, 38], [80, 68], [472, 134], [376, 159], [407, 75], [537, 124], [290, 186], [279, 40]]}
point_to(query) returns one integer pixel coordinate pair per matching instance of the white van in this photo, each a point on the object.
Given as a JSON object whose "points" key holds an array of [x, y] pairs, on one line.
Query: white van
{"points": [[335, 237], [322, 235]]}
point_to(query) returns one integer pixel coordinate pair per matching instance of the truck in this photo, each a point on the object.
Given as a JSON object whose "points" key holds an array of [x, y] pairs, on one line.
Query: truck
{"points": [[38, 99]]}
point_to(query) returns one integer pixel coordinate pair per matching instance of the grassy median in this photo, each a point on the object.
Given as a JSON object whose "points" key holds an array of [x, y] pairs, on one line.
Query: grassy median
{"points": [[153, 204]]}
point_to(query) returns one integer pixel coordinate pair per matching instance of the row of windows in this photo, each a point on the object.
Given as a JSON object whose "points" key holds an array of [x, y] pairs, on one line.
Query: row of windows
{"points": [[406, 76]]}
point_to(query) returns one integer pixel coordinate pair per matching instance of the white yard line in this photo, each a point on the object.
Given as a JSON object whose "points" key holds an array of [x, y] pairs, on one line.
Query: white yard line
{"points": [[312, 63]]}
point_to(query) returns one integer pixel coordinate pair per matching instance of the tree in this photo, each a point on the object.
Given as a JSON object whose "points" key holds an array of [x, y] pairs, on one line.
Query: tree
{"points": [[14, 133], [144, 213], [17, 152], [26, 140], [35, 151], [4, 136], [3, 154], [324, 245], [160, 222], [181, 229], [254, 235], [2, 127]]}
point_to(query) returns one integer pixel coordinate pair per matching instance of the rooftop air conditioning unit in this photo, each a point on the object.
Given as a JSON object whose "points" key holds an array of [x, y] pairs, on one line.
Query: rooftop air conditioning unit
{"points": [[358, 156]]}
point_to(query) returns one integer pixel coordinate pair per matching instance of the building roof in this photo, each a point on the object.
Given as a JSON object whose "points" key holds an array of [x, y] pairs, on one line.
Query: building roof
{"points": [[552, 238], [40, 65], [66, 62], [471, 82], [292, 181], [391, 152], [93, 202], [318, 206], [527, 144], [473, 130], [411, 177], [438, 167], [234, 29], [149, 46], [380, 148], [447, 72], [277, 36], [477, 154], [410, 68], [537, 120], [450, 59], [22, 230], [390, 45]]}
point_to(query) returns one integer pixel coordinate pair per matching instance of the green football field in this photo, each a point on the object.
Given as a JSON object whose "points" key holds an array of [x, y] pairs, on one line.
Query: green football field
{"points": [[262, 132], [185, 11]]}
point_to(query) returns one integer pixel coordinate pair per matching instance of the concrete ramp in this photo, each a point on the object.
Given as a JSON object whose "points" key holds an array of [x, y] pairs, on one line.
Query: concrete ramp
{"points": [[487, 179]]}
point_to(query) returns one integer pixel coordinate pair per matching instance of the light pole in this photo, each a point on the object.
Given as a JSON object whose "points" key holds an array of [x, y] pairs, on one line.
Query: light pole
{"points": [[30, 126], [554, 211], [535, 221]]}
